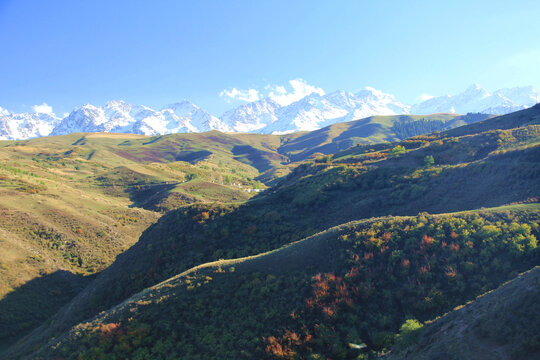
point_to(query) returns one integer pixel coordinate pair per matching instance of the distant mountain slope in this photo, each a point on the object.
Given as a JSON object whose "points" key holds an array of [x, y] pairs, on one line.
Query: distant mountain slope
{"points": [[502, 324], [371, 130], [121, 117], [26, 125], [522, 118], [478, 99], [483, 170]]}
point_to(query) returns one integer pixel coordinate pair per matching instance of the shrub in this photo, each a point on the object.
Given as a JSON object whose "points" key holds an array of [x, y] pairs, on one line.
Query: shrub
{"points": [[429, 160], [408, 335]]}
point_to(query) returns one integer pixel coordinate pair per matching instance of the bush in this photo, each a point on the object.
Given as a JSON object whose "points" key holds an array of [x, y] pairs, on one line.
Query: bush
{"points": [[397, 150], [408, 335], [429, 160]]}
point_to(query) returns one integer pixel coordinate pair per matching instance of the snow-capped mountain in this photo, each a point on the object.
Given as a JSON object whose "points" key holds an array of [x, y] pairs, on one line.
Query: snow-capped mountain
{"points": [[266, 115], [252, 117], [315, 111], [195, 117], [478, 99], [311, 112], [26, 125], [122, 117]]}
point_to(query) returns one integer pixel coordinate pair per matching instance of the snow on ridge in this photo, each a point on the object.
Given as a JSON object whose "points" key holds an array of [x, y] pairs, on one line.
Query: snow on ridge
{"points": [[121, 117], [477, 99], [271, 115]]}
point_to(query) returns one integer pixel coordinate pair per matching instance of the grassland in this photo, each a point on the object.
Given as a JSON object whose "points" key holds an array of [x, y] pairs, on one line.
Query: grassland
{"points": [[74, 206], [491, 168], [70, 204]]}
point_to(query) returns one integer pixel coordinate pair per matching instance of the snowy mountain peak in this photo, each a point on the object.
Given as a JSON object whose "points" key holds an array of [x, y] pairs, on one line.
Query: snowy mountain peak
{"points": [[26, 125], [252, 116], [183, 107], [475, 90], [283, 113], [194, 117], [477, 99], [520, 95], [118, 104], [123, 117]]}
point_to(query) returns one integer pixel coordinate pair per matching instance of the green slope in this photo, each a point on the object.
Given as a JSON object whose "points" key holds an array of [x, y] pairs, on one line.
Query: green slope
{"points": [[482, 170], [372, 130], [74, 202], [355, 283], [70, 204]]}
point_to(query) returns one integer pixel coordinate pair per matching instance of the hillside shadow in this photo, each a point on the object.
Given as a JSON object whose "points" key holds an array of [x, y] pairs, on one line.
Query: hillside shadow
{"points": [[31, 304], [150, 196], [193, 157], [201, 233], [317, 141], [251, 156]]}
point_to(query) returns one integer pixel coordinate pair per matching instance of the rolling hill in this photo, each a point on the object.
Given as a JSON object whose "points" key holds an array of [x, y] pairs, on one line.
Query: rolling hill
{"points": [[353, 284], [372, 130], [486, 168], [71, 204]]}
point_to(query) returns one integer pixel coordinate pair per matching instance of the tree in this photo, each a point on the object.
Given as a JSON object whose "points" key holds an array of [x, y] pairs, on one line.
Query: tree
{"points": [[408, 333], [429, 160], [398, 149]]}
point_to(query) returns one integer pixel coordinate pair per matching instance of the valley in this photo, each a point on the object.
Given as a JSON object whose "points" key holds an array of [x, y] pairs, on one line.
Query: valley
{"points": [[291, 246]]}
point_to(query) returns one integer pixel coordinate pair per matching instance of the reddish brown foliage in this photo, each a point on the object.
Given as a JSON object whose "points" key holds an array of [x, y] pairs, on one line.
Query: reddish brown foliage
{"points": [[405, 263], [354, 272], [110, 330], [202, 217], [427, 240], [451, 272]]}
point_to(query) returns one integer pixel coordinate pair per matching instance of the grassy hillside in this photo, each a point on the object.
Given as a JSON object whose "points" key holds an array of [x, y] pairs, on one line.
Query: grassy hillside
{"points": [[488, 169], [354, 284], [521, 118], [502, 324], [70, 204], [372, 130]]}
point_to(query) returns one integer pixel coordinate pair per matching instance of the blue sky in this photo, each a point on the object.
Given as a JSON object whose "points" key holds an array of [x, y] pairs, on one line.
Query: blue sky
{"points": [[68, 53]]}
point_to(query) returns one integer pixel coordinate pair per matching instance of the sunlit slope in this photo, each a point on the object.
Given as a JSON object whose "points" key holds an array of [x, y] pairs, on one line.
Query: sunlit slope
{"points": [[55, 228], [530, 116], [372, 130], [482, 170], [70, 204]]}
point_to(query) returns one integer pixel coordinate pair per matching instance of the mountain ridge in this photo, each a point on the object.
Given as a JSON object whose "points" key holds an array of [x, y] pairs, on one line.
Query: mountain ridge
{"points": [[266, 115], [369, 181]]}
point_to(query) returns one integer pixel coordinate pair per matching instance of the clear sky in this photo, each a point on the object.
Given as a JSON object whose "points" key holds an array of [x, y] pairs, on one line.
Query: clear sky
{"points": [[68, 53]]}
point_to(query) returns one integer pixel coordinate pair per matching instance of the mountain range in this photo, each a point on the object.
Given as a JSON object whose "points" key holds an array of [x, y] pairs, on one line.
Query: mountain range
{"points": [[347, 255], [266, 116]]}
